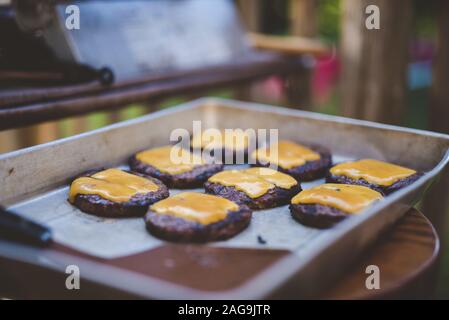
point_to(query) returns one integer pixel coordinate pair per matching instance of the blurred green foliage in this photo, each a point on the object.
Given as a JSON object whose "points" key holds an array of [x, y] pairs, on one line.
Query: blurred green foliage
{"points": [[275, 18], [424, 22], [329, 14]]}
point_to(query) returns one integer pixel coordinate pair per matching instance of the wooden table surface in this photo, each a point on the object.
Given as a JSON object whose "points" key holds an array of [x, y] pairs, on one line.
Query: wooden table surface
{"points": [[405, 256]]}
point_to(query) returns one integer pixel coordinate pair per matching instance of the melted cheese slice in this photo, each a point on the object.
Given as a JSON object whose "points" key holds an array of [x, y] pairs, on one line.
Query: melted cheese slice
{"points": [[373, 171], [288, 155], [170, 159], [254, 182], [345, 197], [225, 139], [198, 207], [112, 184]]}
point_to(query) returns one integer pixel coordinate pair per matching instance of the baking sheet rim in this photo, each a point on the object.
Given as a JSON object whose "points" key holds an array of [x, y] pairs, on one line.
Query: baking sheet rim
{"points": [[283, 270]]}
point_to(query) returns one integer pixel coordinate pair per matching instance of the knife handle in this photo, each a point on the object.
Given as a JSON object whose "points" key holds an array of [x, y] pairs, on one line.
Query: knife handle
{"points": [[16, 228]]}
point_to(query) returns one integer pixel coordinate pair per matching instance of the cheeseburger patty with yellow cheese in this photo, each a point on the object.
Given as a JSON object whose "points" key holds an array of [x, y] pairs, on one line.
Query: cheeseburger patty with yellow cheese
{"points": [[325, 205], [196, 217], [381, 176], [304, 163], [116, 193], [233, 144], [258, 188], [162, 164]]}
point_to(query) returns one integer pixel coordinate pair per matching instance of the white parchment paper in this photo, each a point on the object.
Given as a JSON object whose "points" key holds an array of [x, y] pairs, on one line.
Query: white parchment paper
{"points": [[112, 238]]}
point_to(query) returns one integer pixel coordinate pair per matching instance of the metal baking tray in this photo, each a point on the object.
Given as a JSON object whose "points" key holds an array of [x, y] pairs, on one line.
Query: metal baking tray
{"points": [[290, 261]]}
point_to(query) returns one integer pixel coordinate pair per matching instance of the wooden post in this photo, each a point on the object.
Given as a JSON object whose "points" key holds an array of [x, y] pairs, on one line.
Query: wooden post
{"points": [[38, 134], [9, 140], [303, 22], [439, 112], [250, 13], [436, 203], [374, 62], [303, 18]]}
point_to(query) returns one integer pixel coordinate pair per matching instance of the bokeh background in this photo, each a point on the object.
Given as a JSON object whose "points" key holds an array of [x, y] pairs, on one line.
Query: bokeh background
{"points": [[398, 75]]}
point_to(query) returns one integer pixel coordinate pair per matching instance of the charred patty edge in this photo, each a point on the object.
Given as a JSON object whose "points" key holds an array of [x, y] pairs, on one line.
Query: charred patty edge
{"points": [[309, 171], [135, 207], [275, 197], [317, 215], [224, 151], [384, 190], [175, 229], [186, 180]]}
